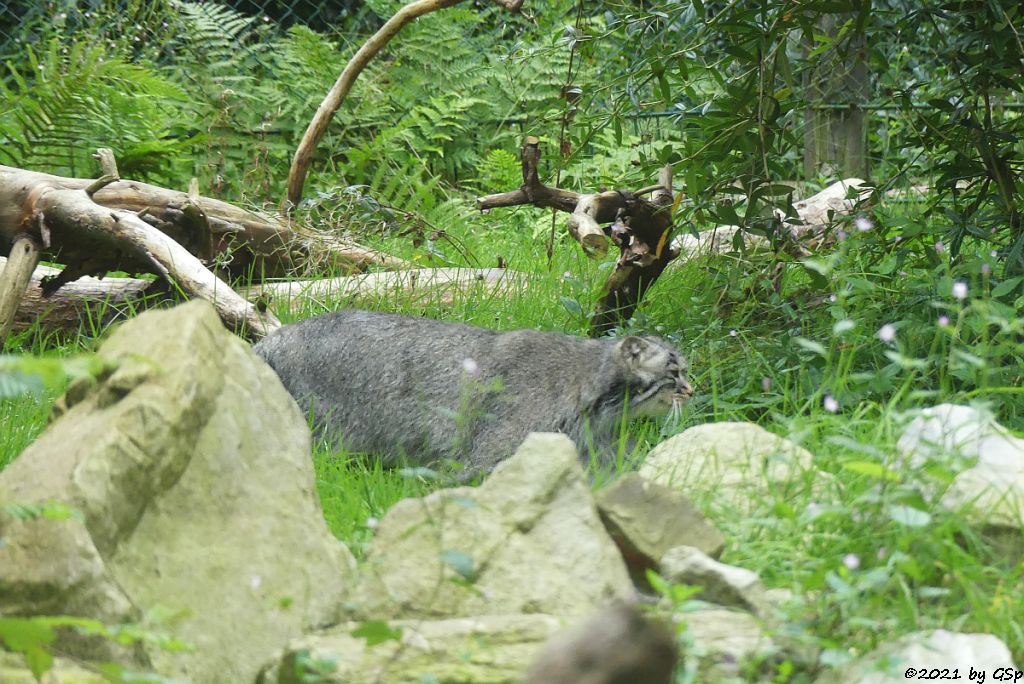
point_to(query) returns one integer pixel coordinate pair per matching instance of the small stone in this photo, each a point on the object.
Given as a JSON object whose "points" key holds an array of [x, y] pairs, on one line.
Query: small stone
{"points": [[647, 519], [725, 585]]}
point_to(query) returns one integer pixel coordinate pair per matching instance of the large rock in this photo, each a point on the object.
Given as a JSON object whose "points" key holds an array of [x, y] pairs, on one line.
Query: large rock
{"points": [[741, 464], [647, 519], [988, 460], [926, 651], [188, 466], [726, 585], [490, 649], [528, 540]]}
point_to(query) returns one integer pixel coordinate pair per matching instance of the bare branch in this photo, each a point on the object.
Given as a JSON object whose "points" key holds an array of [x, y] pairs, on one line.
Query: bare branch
{"points": [[15, 278]]}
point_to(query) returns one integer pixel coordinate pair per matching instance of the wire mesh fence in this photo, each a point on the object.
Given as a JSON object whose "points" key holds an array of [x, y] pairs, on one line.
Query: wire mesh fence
{"points": [[22, 21]]}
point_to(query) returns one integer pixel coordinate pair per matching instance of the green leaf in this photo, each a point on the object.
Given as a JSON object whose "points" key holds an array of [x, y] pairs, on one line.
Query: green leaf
{"points": [[909, 516], [842, 326], [876, 470], [22, 634], [571, 305], [1007, 286], [377, 632], [38, 660], [811, 346]]}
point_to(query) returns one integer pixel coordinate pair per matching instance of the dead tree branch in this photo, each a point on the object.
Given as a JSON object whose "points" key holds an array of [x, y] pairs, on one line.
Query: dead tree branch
{"points": [[639, 227], [325, 112], [92, 239]]}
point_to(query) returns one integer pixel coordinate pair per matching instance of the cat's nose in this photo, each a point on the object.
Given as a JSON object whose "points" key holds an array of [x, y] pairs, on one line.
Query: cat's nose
{"points": [[684, 388]]}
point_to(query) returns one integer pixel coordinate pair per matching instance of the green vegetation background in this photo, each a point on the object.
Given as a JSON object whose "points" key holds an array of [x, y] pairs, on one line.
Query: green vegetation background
{"points": [[831, 351]]}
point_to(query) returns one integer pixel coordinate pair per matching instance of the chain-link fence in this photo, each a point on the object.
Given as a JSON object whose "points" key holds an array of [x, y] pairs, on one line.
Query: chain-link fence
{"points": [[23, 21]]}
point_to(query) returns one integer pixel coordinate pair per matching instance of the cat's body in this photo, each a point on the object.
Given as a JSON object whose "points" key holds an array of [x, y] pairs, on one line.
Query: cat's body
{"points": [[427, 390]]}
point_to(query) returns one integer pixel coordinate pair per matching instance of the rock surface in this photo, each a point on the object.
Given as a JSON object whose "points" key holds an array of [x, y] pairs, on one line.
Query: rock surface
{"points": [[725, 585], [528, 540], [617, 645], [188, 466], [647, 519], [723, 640], [13, 671], [491, 649], [742, 464], [988, 459], [925, 651]]}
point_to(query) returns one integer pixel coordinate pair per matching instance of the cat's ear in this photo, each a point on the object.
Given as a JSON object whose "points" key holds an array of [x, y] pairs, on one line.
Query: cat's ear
{"points": [[632, 349]]}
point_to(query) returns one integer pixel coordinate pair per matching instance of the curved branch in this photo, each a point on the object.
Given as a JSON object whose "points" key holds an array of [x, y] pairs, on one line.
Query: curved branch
{"points": [[325, 112]]}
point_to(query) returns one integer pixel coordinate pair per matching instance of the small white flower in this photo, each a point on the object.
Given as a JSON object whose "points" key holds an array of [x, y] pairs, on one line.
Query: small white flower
{"points": [[994, 253], [986, 268], [832, 298], [881, 552], [887, 333], [814, 509], [830, 403], [266, 19], [255, 581], [943, 320], [863, 224], [766, 384], [939, 247], [566, 275], [470, 366], [851, 561], [372, 522], [841, 235], [960, 290], [733, 333]]}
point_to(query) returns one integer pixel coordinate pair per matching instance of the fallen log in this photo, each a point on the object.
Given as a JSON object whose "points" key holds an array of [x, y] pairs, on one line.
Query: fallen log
{"points": [[816, 213], [99, 302], [87, 301], [91, 239], [254, 243], [415, 286]]}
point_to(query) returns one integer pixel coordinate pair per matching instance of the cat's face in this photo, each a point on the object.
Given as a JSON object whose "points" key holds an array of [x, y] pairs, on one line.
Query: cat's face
{"points": [[657, 376]]}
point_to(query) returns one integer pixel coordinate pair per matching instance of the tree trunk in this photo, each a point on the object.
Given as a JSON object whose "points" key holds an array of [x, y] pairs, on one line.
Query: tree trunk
{"points": [[835, 125]]}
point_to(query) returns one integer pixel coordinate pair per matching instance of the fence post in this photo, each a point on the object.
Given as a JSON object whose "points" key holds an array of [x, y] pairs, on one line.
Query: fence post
{"points": [[836, 87]]}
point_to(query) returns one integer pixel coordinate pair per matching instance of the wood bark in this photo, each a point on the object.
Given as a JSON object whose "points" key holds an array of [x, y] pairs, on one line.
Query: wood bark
{"points": [[642, 236], [413, 286], [639, 227], [325, 112], [835, 137], [92, 239], [14, 280], [88, 302], [245, 243], [98, 302]]}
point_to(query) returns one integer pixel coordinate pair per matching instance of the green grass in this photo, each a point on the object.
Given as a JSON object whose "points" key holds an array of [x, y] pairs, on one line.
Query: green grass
{"points": [[772, 356]]}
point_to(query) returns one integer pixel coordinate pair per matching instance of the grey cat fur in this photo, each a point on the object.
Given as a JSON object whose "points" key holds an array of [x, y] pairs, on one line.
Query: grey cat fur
{"points": [[428, 390]]}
